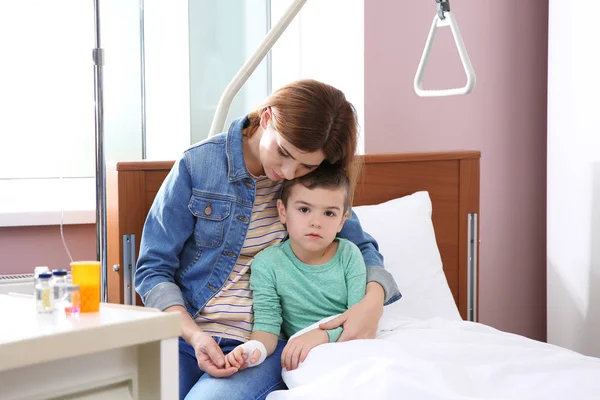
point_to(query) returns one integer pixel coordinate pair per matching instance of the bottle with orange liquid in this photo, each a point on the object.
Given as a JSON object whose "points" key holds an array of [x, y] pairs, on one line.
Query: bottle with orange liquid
{"points": [[86, 274]]}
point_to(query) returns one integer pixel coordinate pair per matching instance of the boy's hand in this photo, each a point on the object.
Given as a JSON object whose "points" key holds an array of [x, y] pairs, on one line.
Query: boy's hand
{"points": [[239, 357], [236, 359], [297, 349]]}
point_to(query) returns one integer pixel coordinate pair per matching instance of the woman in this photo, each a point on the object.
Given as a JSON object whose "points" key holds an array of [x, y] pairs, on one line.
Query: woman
{"points": [[217, 209]]}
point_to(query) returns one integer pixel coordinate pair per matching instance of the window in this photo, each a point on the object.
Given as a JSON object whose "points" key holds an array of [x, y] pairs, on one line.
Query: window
{"points": [[184, 58], [324, 42], [47, 92], [47, 128]]}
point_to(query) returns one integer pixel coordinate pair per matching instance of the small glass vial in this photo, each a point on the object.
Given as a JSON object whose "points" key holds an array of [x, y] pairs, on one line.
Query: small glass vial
{"points": [[36, 272], [72, 300], [59, 281], [44, 293]]}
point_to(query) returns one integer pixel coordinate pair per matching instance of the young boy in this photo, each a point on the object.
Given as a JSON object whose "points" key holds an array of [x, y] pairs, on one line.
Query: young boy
{"points": [[310, 276]]}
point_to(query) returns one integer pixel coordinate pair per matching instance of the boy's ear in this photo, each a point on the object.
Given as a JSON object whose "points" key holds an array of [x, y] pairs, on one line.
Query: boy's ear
{"points": [[281, 211], [344, 218]]}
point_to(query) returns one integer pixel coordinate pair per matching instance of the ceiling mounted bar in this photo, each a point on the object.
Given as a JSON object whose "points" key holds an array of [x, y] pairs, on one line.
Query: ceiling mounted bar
{"points": [[443, 18], [248, 68]]}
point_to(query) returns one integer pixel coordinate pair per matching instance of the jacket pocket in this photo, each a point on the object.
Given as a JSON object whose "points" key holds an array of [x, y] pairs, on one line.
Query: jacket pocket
{"points": [[211, 218]]}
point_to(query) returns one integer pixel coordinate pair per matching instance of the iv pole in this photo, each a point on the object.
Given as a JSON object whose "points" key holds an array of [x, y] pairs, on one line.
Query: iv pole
{"points": [[98, 57]]}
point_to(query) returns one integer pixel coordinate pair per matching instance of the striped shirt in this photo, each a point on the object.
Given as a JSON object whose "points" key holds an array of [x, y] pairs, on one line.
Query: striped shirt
{"points": [[229, 313]]}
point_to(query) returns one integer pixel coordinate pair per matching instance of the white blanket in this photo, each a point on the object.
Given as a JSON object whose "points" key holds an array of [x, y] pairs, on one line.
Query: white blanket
{"points": [[442, 359]]}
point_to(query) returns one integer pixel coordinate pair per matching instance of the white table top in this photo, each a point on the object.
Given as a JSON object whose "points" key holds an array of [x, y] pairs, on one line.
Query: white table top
{"points": [[27, 337]]}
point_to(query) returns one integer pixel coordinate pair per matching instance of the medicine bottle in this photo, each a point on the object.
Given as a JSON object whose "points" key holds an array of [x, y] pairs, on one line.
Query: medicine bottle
{"points": [[36, 272], [44, 293], [72, 301], [59, 281]]}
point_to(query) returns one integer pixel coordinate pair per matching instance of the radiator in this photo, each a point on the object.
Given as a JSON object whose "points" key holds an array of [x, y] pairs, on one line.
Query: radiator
{"points": [[21, 283]]}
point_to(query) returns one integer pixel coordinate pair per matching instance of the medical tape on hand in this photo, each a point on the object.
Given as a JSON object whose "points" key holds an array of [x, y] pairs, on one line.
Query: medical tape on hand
{"points": [[249, 347]]}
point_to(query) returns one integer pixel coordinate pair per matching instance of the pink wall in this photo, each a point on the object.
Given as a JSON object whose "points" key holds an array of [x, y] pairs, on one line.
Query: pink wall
{"points": [[22, 248], [504, 117]]}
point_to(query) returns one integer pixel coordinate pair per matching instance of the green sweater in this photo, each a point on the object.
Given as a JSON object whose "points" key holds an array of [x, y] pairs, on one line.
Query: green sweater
{"points": [[291, 295]]}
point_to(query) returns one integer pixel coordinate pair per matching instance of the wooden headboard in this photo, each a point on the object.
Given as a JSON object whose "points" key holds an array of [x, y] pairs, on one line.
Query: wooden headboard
{"points": [[451, 178]]}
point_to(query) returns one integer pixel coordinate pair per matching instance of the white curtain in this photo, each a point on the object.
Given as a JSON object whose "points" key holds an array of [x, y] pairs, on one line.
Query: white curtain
{"points": [[573, 262]]}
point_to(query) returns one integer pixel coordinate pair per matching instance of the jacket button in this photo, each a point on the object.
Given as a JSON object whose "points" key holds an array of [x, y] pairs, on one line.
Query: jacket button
{"points": [[208, 210], [248, 183], [211, 287], [241, 218], [229, 253]]}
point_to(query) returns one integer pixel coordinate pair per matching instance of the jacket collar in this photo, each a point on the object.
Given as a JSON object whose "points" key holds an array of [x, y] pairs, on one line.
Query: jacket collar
{"points": [[235, 150]]}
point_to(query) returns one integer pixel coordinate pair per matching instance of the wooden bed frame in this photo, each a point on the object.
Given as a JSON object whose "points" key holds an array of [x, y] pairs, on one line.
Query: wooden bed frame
{"points": [[451, 178]]}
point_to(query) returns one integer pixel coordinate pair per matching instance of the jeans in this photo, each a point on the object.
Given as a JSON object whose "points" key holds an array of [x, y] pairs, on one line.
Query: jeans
{"points": [[249, 384]]}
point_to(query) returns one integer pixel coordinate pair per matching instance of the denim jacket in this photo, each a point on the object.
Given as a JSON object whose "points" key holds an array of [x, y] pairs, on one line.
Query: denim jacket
{"points": [[197, 225]]}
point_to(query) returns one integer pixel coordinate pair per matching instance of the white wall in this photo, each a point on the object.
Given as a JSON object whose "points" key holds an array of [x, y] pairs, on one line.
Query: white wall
{"points": [[573, 269]]}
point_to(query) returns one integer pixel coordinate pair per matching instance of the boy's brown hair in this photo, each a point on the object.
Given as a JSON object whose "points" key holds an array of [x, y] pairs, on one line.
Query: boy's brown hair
{"points": [[326, 176]]}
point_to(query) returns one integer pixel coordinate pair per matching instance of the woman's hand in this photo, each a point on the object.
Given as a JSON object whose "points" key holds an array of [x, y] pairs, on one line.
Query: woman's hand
{"points": [[296, 350], [362, 319], [209, 355]]}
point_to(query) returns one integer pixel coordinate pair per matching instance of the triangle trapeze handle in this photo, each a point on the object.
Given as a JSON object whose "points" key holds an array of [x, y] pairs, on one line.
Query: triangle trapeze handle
{"points": [[462, 51]]}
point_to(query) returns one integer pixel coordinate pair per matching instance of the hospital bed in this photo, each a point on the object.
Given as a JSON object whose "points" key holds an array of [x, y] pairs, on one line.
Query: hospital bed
{"points": [[423, 209]]}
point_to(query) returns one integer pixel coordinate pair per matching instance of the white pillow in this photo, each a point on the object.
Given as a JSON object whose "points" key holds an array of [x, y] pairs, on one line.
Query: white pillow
{"points": [[404, 231]]}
